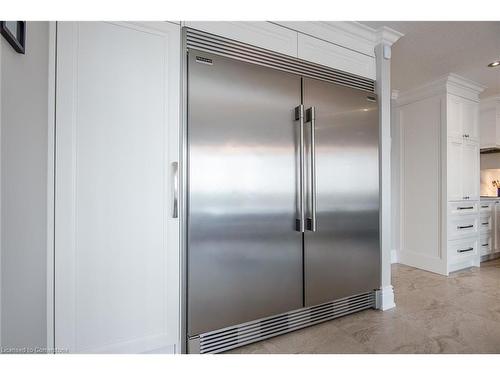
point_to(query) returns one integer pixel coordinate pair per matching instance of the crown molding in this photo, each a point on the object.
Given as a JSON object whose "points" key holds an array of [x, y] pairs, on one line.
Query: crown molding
{"points": [[387, 36], [348, 34], [448, 84]]}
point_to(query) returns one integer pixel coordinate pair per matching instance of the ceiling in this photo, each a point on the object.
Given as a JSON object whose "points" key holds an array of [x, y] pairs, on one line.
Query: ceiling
{"points": [[429, 50]]}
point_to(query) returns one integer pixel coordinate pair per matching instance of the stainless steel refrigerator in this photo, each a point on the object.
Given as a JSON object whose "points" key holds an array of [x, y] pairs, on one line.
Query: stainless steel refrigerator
{"points": [[282, 201]]}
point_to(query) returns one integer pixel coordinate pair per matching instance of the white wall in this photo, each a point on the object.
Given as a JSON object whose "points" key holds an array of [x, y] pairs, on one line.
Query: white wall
{"points": [[23, 155], [490, 161]]}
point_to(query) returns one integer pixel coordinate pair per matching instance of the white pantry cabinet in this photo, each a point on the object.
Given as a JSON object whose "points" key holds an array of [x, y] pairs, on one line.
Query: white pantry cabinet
{"points": [[116, 242], [439, 130]]}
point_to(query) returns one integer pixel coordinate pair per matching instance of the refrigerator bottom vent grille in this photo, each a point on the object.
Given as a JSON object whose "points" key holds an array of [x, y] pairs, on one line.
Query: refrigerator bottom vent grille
{"points": [[246, 333]]}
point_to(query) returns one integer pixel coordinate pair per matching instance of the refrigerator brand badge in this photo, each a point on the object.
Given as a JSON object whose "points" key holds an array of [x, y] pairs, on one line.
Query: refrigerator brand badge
{"points": [[204, 60]]}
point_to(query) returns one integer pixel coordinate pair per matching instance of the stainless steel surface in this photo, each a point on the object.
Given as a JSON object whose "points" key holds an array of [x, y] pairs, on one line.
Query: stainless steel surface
{"points": [[244, 254], [311, 118], [342, 257], [248, 332], [236, 50], [194, 345], [299, 116], [175, 190]]}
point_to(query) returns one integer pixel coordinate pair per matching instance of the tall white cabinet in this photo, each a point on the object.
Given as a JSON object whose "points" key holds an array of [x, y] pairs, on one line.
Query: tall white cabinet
{"points": [[116, 258], [439, 140]]}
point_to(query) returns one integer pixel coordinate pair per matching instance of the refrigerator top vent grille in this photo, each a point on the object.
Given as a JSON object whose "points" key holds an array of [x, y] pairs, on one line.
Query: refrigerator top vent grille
{"points": [[203, 41], [246, 333]]}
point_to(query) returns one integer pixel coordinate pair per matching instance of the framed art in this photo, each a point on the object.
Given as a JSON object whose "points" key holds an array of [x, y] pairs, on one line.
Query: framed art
{"points": [[15, 33]]}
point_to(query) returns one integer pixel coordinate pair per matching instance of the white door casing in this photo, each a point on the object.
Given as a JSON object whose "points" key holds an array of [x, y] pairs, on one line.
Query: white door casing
{"points": [[116, 244]]}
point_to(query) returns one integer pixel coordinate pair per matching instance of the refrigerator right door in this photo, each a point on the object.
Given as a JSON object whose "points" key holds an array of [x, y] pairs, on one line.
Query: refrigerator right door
{"points": [[342, 256]]}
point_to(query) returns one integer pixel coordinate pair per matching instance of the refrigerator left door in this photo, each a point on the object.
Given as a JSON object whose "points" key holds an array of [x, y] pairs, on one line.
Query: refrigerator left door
{"points": [[244, 253]]}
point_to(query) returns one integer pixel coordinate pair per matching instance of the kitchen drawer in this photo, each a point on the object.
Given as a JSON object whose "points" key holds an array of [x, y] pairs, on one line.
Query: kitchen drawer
{"points": [[461, 226], [463, 208], [486, 207], [460, 249], [485, 243], [485, 222]]}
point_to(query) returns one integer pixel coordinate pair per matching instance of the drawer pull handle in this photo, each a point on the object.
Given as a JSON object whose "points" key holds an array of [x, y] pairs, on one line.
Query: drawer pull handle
{"points": [[484, 206], [465, 250], [465, 226], [485, 244], [485, 223], [466, 208]]}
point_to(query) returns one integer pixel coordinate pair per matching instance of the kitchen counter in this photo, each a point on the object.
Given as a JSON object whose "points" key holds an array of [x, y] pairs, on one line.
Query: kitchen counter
{"points": [[489, 198]]}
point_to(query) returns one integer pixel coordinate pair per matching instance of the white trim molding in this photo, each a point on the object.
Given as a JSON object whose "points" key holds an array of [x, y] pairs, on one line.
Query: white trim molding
{"points": [[387, 36], [385, 298], [448, 84], [383, 89], [394, 256]]}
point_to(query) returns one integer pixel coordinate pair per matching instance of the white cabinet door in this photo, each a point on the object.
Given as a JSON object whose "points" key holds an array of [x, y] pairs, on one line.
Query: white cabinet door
{"points": [[258, 33], [470, 170], [454, 180], [454, 117], [334, 56], [116, 254], [469, 118]]}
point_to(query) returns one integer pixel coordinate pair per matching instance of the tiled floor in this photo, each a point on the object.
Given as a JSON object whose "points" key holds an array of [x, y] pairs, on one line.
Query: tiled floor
{"points": [[433, 314]]}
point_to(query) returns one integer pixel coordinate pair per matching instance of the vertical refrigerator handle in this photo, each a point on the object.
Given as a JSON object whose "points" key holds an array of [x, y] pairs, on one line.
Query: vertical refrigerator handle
{"points": [[175, 190], [300, 222], [311, 117]]}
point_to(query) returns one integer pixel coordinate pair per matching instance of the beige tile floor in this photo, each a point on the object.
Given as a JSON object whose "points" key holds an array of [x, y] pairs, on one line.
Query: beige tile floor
{"points": [[433, 314]]}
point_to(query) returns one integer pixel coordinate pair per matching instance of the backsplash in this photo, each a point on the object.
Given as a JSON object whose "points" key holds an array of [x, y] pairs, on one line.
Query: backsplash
{"points": [[487, 178]]}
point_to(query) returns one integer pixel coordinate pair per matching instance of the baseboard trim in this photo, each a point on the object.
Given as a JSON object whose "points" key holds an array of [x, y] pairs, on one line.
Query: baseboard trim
{"points": [[385, 298]]}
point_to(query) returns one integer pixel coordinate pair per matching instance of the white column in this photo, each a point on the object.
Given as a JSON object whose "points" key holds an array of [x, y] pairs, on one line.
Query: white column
{"points": [[386, 37]]}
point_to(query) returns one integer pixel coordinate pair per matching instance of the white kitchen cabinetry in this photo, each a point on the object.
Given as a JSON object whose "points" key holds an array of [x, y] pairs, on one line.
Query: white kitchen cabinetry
{"points": [[463, 169], [489, 223], [261, 34], [329, 54], [116, 242], [489, 120], [440, 175], [346, 46], [117, 254], [469, 164]]}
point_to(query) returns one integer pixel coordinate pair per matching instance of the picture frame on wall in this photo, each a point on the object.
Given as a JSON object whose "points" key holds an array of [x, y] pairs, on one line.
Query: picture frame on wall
{"points": [[15, 33]]}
